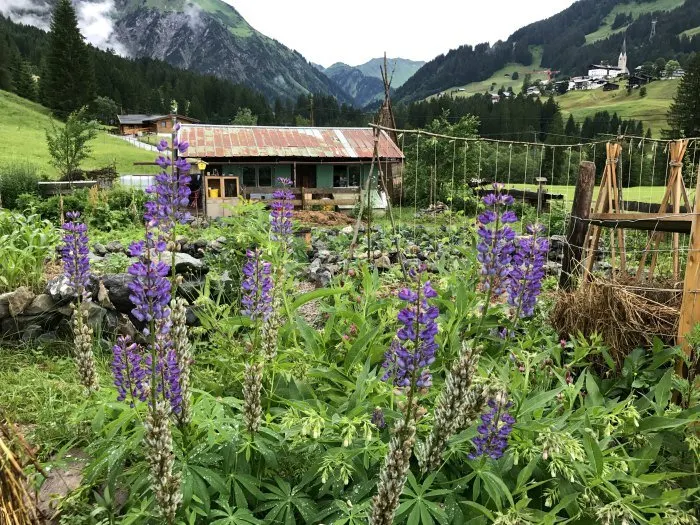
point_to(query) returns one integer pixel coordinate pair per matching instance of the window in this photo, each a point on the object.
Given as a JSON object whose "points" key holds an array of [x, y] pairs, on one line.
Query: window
{"points": [[346, 176], [163, 124], [256, 176], [354, 176], [265, 176], [230, 187], [249, 177], [340, 176]]}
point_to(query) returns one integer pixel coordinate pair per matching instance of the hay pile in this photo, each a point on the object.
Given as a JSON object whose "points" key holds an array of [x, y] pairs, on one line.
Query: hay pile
{"points": [[625, 315], [17, 505]]}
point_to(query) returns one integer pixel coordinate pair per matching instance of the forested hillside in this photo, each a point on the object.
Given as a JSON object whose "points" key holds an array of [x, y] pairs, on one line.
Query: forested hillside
{"points": [[587, 32]]}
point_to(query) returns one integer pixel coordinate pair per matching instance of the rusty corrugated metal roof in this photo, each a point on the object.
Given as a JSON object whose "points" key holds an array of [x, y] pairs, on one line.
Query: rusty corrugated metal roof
{"points": [[208, 141]]}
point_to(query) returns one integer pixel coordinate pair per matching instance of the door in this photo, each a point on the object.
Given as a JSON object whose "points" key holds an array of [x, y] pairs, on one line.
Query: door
{"points": [[306, 176]]}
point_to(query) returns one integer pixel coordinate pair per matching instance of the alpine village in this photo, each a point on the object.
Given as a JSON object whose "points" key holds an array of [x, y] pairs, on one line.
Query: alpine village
{"points": [[385, 263]]}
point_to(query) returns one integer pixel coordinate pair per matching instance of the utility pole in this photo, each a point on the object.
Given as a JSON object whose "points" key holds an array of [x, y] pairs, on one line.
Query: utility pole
{"points": [[312, 109]]}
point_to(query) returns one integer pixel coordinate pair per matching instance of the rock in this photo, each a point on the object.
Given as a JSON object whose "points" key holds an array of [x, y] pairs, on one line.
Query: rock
{"points": [[96, 316], [186, 264], [48, 338], [215, 246], [383, 262], [103, 296], [64, 478], [110, 325], [348, 230], [180, 240], [315, 266], [324, 254], [99, 249], [18, 300], [200, 244], [114, 247], [125, 326], [41, 304], [117, 285], [5, 305], [324, 277], [191, 318], [31, 332], [59, 290], [553, 268]]}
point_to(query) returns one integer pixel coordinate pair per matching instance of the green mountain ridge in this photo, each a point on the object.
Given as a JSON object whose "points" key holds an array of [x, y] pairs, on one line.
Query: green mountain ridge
{"points": [[587, 32]]}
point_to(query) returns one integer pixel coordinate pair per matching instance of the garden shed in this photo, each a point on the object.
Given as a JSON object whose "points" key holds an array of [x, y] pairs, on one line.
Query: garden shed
{"points": [[328, 166]]}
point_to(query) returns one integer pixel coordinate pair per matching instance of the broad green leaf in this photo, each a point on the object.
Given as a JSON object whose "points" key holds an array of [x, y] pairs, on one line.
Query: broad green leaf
{"points": [[595, 456]]}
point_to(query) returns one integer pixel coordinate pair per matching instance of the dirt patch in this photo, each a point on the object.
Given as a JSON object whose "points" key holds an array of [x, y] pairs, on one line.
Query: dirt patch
{"points": [[323, 218], [63, 479], [309, 312]]}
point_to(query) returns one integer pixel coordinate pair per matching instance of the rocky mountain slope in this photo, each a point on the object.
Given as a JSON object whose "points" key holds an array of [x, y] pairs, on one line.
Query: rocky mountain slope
{"points": [[363, 83], [207, 36]]}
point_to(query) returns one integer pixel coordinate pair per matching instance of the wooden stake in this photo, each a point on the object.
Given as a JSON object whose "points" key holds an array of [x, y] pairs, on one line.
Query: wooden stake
{"points": [[690, 307], [576, 236]]}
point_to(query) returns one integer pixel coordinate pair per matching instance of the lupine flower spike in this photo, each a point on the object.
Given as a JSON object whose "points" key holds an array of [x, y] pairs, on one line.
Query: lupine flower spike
{"points": [[459, 404], [495, 248], [76, 263], [406, 364], [171, 191], [528, 272], [257, 305], [497, 424], [282, 210]]}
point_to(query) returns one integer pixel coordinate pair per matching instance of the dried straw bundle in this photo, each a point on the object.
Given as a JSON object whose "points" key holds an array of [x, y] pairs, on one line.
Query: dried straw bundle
{"points": [[17, 505], [626, 316]]}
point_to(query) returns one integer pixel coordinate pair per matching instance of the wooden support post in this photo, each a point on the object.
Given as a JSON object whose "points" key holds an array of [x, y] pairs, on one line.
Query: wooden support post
{"points": [[576, 236], [690, 307]]}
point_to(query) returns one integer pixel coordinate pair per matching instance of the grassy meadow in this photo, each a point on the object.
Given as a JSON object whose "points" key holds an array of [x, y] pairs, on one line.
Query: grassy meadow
{"points": [[23, 127], [652, 194], [651, 110], [634, 9]]}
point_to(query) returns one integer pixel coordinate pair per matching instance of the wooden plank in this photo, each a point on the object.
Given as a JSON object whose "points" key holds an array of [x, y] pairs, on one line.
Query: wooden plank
{"points": [[578, 227], [690, 307], [676, 223], [593, 238]]}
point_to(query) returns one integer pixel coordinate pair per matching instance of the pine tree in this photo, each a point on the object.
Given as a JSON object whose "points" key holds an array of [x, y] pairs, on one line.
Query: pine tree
{"points": [[5, 73], [684, 113], [69, 81], [25, 85]]}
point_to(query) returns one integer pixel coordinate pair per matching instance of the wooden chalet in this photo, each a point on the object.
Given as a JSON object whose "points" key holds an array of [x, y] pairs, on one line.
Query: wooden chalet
{"points": [[328, 166], [146, 124]]}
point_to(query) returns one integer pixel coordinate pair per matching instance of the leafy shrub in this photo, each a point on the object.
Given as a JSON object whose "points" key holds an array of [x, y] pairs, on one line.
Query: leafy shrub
{"points": [[50, 208], [25, 243], [16, 180]]}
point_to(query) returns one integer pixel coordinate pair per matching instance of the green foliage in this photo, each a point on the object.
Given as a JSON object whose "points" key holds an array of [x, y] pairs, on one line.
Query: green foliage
{"points": [[245, 117], [69, 145], [68, 80], [103, 110], [16, 179], [684, 113], [25, 243], [643, 92]]}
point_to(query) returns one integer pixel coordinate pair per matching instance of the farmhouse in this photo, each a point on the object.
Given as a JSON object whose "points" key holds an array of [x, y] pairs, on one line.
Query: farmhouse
{"points": [[611, 86], [142, 124], [327, 166]]}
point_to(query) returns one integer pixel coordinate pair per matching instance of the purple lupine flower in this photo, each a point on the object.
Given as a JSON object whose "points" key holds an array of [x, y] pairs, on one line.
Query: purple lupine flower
{"points": [[171, 191], [129, 374], [75, 254], [282, 210], [378, 418], [171, 372], [257, 287], [150, 289], [528, 271], [496, 426], [413, 350], [495, 249]]}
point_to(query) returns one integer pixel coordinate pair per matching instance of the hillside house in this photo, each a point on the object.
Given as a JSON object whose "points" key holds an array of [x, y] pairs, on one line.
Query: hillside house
{"points": [[611, 86], [138, 124], [638, 80], [328, 166]]}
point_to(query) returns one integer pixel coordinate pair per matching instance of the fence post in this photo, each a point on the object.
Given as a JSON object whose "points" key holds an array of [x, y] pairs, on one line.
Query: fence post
{"points": [[578, 227]]}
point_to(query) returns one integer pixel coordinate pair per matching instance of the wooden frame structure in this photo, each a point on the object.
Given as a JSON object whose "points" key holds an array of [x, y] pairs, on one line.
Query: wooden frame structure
{"points": [[671, 217], [306, 198]]}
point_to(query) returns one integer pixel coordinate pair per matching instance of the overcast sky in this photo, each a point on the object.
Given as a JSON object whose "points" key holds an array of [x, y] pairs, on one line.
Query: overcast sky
{"points": [[354, 31]]}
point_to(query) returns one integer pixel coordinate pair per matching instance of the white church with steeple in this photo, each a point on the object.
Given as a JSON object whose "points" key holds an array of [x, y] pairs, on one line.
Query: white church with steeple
{"points": [[602, 71], [622, 61]]}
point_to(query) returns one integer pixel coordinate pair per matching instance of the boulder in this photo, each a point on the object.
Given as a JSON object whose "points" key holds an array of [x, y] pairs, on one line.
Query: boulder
{"points": [[190, 290], [117, 285], [125, 326], [48, 338], [103, 296], [96, 316], [99, 249], [191, 318], [59, 290], [114, 247], [186, 264], [41, 304], [5, 305], [348, 230], [31, 332], [383, 262], [18, 300]]}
